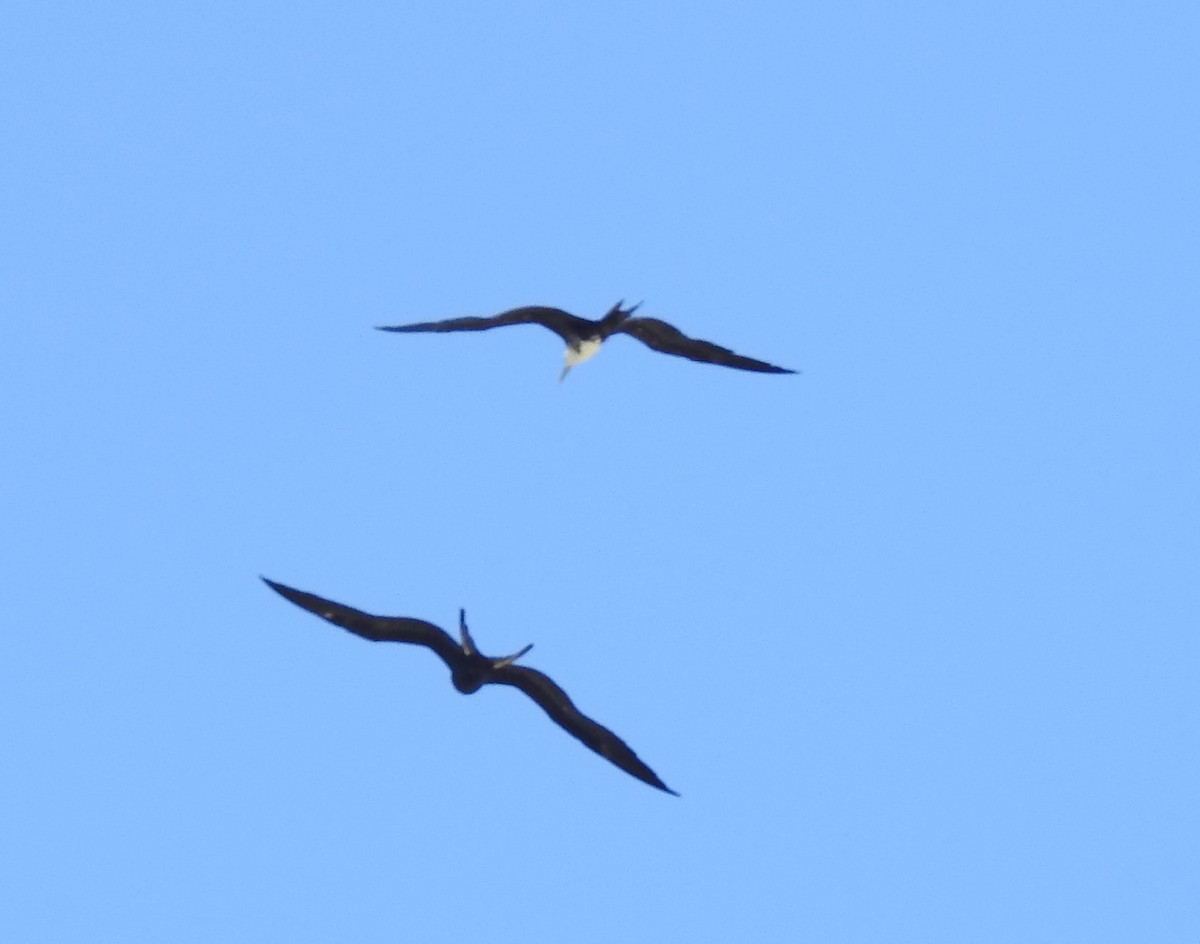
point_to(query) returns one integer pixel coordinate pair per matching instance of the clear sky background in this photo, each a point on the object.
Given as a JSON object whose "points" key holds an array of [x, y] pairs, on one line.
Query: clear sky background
{"points": [[913, 632]]}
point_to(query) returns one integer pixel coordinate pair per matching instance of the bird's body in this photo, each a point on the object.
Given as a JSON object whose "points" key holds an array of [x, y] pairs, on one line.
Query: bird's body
{"points": [[576, 354], [584, 337], [470, 670]]}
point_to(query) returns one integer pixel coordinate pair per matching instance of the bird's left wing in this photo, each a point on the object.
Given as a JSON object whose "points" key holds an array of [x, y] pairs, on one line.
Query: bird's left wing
{"points": [[542, 689], [553, 318], [375, 628], [670, 340]]}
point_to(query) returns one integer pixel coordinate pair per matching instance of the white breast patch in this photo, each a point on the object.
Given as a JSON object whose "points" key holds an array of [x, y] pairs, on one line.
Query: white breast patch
{"points": [[587, 348]]}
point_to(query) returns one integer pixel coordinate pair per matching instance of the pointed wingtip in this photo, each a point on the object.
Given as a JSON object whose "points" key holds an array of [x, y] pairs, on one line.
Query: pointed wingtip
{"points": [[281, 588], [288, 593]]}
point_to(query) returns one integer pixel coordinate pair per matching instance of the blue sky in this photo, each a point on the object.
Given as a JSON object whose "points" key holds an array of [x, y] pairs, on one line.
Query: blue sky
{"points": [[912, 632]]}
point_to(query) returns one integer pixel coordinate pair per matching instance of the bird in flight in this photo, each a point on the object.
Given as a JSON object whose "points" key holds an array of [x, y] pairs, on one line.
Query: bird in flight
{"points": [[584, 336], [470, 670]]}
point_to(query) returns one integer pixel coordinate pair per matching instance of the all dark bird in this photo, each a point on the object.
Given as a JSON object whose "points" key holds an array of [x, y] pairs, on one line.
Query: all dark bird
{"points": [[470, 670], [584, 336]]}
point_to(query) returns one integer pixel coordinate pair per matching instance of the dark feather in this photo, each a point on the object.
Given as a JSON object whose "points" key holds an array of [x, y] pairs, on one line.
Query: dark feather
{"points": [[670, 340], [482, 670], [554, 701], [562, 323], [571, 328], [375, 628]]}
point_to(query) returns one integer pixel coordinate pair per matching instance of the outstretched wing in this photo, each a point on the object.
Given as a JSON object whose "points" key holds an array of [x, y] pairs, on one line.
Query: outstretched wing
{"points": [[670, 340], [542, 689], [562, 323], [375, 628]]}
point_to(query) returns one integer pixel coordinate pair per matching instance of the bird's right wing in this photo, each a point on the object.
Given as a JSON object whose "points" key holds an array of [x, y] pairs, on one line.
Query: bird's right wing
{"points": [[375, 628], [670, 340], [554, 701], [555, 319]]}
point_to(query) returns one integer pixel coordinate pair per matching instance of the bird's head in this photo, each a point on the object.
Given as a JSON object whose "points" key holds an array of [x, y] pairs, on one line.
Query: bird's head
{"points": [[467, 681]]}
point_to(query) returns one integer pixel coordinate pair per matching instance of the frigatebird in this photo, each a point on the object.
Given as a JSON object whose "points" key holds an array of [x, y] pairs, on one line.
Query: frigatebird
{"points": [[470, 670], [584, 336]]}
